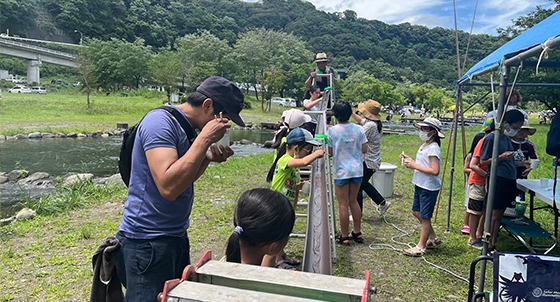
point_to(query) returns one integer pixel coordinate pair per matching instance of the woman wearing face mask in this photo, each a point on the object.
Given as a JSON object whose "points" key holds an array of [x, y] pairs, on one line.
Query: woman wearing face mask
{"points": [[426, 183], [506, 171]]}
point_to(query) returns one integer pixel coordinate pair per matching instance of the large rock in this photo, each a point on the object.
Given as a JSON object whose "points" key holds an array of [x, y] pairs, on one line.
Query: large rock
{"points": [[81, 135], [74, 178], [114, 179], [21, 136], [25, 213], [245, 142], [34, 135], [6, 221], [47, 135], [2, 137], [105, 135], [3, 179], [268, 144], [60, 135], [33, 177], [14, 175], [72, 135]]}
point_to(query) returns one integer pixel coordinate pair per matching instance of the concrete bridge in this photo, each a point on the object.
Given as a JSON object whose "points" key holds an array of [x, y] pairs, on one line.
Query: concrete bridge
{"points": [[34, 56]]}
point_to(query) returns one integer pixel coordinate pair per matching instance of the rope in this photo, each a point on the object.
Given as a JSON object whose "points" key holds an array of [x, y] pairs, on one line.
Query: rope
{"points": [[383, 246], [545, 53], [493, 95], [470, 35], [498, 125]]}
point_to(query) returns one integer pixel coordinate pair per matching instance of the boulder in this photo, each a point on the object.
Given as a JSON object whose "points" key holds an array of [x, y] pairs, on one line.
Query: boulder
{"points": [[268, 144], [74, 178], [21, 136], [5, 221], [81, 135], [14, 175], [72, 135], [3, 179], [114, 179], [245, 142], [34, 135], [47, 135], [60, 135], [9, 137], [25, 213], [105, 135], [2, 137], [33, 177], [94, 134]]}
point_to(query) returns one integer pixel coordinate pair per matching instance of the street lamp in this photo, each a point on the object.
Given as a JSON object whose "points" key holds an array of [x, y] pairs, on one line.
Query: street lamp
{"points": [[81, 36]]}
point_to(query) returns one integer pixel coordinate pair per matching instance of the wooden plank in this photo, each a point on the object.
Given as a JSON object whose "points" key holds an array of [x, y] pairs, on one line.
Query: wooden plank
{"points": [[202, 292], [272, 280]]}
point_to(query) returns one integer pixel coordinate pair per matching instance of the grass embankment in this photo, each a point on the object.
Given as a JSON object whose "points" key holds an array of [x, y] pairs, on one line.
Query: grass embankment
{"points": [[24, 113], [49, 258]]}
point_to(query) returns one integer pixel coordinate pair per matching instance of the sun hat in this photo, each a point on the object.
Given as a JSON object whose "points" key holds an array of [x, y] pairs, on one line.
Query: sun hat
{"points": [[295, 118], [527, 126], [321, 57], [370, 110], [299, 135], [225, 93], [431, 122]]}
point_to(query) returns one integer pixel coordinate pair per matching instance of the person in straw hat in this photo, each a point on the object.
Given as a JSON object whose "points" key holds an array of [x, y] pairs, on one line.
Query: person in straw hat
{"points": [[372, 158], [321, 60]]}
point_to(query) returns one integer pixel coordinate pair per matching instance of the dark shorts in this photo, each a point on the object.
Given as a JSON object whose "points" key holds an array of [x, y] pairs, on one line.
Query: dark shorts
{"points": [[345, 181], [505, 193], [424, 202]]}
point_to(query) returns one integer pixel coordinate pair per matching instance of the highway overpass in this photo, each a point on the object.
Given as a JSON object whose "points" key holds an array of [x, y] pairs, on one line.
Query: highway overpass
{"points": [[34, 56]]}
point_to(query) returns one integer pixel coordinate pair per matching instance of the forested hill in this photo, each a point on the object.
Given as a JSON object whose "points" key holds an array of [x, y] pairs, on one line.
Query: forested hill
{"points": [[390, 52]]}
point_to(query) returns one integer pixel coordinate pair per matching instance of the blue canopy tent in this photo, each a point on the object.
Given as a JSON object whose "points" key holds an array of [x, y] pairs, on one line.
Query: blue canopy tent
{"points": [[535, 42]]}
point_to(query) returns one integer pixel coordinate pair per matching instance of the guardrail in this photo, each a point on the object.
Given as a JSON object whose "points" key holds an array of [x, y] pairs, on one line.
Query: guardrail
{"points": [[38, 48]]}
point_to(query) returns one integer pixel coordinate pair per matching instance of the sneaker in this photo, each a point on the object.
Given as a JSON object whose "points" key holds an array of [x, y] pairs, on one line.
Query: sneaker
{"points": [[477, 244], [383, 207]]}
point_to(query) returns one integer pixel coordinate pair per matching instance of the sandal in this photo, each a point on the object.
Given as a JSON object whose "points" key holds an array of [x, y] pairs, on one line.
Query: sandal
{"points": [[290, 260], [433, 243], [283, 265], [414, 253], [357, 237], [343, 240], [491, 251]]}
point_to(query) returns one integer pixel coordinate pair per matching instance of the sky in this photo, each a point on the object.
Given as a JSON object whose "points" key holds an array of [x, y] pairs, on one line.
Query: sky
{"points": [[490, 14]]}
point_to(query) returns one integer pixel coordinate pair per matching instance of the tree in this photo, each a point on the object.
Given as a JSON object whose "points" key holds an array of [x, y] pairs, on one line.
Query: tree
{"points": [[359, 88], [523, 23], [88, 69], [164, 69]]}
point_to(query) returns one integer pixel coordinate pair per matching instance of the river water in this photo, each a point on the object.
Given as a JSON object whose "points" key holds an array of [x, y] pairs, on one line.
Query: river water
{"points": [[58, 156]]}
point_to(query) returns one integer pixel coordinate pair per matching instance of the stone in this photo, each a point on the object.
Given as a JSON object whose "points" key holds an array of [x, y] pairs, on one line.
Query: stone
{"points": [[6, 221], [268, 144], [72, 135], [21, 136], [9, 137], [94, 134], [81, 135], [245, 142], [25, 213], [33, 177], [105, 135], [3, 179], [74, 178], [47, 135], [114, 179], [60, 135], [14, 175], [34, 135], [2, 137]]}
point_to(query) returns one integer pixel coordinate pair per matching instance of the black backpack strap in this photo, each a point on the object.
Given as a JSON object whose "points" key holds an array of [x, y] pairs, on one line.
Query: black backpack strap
{"points": [[180, 117]]}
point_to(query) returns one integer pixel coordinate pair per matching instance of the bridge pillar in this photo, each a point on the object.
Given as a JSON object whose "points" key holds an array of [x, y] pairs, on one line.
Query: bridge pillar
{"points": [[33, 70]]}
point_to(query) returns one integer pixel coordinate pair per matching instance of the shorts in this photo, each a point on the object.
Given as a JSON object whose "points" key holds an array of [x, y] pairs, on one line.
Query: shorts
{"points": [[505, 193], [424, 202], [345, 181]]}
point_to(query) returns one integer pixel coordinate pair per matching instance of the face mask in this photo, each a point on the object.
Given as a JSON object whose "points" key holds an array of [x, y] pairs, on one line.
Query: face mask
{"points": [[511, 107], [425, 136], [510, 132]]}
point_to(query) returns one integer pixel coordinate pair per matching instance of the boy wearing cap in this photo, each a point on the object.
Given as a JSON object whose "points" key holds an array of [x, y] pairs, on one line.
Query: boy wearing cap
{"points": [[165, 164]]}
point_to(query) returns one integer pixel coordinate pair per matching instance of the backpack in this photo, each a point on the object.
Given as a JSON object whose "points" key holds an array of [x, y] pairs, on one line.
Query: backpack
{"points": [[553, 139], [125, 156]]}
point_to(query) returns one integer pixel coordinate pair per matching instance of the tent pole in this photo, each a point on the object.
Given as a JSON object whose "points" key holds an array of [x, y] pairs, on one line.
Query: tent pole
{"points": [[493, 169], [442, 174], [452, 170]]}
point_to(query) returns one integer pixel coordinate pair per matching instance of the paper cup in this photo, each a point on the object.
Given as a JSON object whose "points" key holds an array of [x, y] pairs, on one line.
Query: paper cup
{"points": [[407, 159], [544, 183], [224, 141], [534, 163]]}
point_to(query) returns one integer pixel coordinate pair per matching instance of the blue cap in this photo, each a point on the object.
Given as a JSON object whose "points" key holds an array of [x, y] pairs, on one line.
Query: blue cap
{"points": [[299, 135]]}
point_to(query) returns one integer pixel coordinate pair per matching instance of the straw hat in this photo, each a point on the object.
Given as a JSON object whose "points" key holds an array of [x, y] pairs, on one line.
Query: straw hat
{"points": [[321, 57], [528, 127], [431, 122], [370, 110]]}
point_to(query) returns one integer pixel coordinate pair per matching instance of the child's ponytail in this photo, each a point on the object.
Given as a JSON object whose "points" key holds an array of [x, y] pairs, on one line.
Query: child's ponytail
{"points": [[281, 152], [233, 251]]}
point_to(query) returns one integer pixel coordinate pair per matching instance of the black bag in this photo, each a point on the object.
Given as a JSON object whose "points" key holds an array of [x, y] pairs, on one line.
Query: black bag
{"points": [[553, 138], [125, 157]]}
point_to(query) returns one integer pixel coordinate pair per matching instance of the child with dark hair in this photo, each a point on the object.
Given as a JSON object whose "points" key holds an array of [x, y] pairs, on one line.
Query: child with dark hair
{"points": [[263, 220], [426, 183], [476, 206], [348, 141], [285, 178], [505, 183], [467, 170]]}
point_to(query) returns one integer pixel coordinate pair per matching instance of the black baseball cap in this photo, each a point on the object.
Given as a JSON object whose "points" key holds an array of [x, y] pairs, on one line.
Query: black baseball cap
{"points": [[225, 93]]}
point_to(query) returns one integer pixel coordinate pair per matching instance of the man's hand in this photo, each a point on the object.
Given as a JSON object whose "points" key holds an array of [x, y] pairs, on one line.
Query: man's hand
{"points": [[526, 172], [215, 129], [219, 154], [329, 71], [313, 74]]}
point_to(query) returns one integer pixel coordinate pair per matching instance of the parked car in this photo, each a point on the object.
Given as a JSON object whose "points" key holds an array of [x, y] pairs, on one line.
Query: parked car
{"points": [[19, 81], [285, 102], [39, 90], [60, 82], [19, 89], [76, 84]]}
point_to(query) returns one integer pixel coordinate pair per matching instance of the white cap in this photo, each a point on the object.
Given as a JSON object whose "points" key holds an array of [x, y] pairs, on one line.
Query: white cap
{"points": [[296, 118]]}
